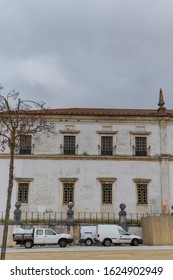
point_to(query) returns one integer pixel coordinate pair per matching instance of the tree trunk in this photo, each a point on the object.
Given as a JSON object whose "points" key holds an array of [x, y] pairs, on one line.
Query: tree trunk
{"points": [[9, 196]]}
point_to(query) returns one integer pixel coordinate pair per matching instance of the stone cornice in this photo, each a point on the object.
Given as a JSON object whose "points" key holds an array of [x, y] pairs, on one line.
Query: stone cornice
{"points": [[23, 180], [90, 157], [67, 180], [107, 132], [140, 132], [106, 179], [142, 180], [69, 131]]}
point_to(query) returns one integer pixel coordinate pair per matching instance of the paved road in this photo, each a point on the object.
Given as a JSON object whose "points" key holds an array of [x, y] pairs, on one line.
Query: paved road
{"points": [[84, 248]]}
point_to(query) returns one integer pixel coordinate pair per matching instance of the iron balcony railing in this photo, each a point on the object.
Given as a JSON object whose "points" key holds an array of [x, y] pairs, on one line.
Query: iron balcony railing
{"points": [[79, 217]]}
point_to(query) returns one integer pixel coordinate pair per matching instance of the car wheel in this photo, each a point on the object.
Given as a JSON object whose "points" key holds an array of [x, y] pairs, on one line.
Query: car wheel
{"points": [[88, 242], [28, 244], [135, 242], [62, 243], [107, 242]]}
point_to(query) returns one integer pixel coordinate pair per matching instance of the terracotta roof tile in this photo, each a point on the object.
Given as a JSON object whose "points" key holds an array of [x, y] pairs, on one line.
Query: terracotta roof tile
{"points": [[99, 112], [106, 112]]}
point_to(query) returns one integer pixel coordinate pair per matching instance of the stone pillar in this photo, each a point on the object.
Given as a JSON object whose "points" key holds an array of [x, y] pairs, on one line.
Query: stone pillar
{"points": [[122, 216], [70, 217], [165, 185], [164, 168], [17, 213], [163, 137]]}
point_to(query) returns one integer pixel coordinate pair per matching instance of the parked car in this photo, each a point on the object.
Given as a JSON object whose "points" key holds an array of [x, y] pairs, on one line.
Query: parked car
{"points": [[114, 234], [41, 236], [87, 235]]}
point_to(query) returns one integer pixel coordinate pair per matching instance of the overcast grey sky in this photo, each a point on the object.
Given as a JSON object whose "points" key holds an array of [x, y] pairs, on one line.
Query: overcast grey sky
{"points": [[88, 53]]}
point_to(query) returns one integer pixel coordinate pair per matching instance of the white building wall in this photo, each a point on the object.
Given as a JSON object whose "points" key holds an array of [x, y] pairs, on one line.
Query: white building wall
{"points": [[88, 137], [46, 188], [47, 166], [171, 184], [169, 143]]}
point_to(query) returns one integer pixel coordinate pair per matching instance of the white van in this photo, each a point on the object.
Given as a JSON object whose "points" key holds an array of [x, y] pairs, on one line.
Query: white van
{"points": [[87, 235], [108, 234]]}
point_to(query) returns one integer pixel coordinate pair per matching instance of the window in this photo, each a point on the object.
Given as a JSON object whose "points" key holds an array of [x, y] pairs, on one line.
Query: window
{"points": [[69, 140], [49, 232], [106, 145], [25, 144], [106, 193], [140, 142], [141, 146], [142, 194], [68, 192], [107, 141], [123, 232], [68, 187], [23, 190], [39, 232], [69, 145]]}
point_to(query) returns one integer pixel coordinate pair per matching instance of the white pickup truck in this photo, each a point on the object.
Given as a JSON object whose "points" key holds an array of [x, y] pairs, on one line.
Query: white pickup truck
{"points": [[40, 236]]}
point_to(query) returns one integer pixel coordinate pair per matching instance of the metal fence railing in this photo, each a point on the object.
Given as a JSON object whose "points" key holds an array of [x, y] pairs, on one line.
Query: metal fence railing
{"points": [[79, 217]]}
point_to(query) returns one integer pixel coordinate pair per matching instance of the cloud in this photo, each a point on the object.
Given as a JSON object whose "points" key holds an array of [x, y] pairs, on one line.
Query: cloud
{"points": [[80, 53]]}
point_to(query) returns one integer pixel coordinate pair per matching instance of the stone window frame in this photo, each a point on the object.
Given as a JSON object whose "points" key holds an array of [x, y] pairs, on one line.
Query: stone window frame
{"points": [[145, 192], [26, 149], [23, 181], [69, 132], [107, 133], [70, 181], [141, 134], [107, 181]]}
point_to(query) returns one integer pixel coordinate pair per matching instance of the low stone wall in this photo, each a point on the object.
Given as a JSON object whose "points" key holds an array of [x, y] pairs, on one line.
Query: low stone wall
{"points": [[157, 230]]}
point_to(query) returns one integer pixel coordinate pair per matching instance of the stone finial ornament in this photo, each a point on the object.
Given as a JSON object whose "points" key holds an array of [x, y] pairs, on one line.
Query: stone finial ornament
{"points": [[161, 109], [122, 216], [17, 213], [70, 216]]}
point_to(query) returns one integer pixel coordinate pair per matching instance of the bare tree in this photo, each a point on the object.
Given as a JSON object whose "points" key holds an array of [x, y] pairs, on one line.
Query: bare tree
{"points": [[18, 117]]}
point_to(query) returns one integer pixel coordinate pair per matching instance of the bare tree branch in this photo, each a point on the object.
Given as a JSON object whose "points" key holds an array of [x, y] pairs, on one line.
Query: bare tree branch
{"points": [[18, 117]]}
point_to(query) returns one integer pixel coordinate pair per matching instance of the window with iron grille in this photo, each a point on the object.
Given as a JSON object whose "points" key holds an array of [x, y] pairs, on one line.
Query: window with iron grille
{"points": [[142, 194], [106, 193], [69, 145], [23, 190], [68, 192], [25, 144], [141, 146], [106, 145]]}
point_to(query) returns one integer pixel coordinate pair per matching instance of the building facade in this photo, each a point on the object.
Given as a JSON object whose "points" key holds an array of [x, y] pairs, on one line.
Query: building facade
{"points": [[97, 158]]}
